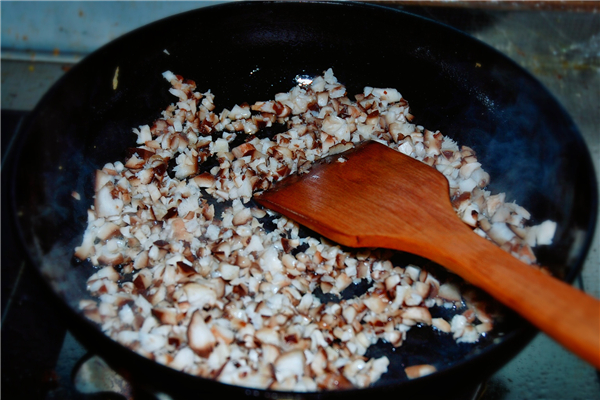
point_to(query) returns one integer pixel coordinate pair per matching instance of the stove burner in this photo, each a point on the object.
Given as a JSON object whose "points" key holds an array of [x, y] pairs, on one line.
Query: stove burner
{"points": [[93, 375]]}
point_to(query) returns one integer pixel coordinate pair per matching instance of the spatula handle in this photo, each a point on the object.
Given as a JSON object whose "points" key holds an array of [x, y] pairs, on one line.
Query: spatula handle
{"points": [[566, 314]]}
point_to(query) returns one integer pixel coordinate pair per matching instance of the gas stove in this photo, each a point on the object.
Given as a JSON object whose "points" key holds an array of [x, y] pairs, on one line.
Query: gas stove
{"points": [[42, 359]]}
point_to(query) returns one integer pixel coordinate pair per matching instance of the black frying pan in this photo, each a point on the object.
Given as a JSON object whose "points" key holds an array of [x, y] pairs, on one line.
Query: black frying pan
{"points": [[249, 52]]}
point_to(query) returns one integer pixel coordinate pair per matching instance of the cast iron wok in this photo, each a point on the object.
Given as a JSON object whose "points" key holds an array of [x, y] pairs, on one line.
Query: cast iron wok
{"points": [[249, 52]]}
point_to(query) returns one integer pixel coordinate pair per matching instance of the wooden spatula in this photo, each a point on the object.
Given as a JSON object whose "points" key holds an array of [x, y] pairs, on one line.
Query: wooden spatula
{"points": [[373, 196]]}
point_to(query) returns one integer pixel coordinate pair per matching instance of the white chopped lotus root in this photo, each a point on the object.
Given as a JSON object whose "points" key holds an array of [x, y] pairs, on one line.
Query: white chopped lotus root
{"points": [[189, 276]]}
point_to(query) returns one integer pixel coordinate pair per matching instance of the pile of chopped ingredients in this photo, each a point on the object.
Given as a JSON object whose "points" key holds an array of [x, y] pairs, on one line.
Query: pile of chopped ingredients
{"points": [[193, 274]]}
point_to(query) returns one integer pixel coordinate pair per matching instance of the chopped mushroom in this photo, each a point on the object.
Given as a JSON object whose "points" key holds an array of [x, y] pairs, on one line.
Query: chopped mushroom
{"points": [[200, 337], [417, 371], [189, 272]]}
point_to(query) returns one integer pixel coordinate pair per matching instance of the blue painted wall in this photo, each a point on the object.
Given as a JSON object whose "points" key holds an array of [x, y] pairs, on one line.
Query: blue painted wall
{"points": [[77, 27]]}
